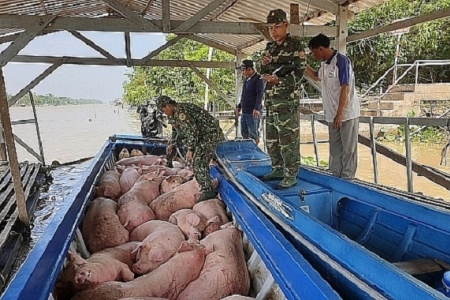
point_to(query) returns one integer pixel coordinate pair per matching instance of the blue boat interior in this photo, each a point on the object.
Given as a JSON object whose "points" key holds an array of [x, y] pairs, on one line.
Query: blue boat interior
{"points": [[413, 237]]}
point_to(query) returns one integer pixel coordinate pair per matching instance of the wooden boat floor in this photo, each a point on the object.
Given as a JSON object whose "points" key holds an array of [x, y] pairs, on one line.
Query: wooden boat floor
{"points": [[11, 229], [423, 266]]}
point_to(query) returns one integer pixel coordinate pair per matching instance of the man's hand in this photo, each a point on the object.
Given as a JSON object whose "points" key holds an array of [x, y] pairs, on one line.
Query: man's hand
{"points": [[337, 121], [189, 155], [272, 79], [266, 59], [169, 149], [256, 114], [237, 112]]}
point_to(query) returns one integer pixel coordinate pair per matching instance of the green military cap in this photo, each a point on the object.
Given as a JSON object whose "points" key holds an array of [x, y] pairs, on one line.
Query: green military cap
{"points": [[276, 15], [162, 101]]}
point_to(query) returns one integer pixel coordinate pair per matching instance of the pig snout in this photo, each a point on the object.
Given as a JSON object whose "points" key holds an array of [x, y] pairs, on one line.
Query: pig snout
{"points": [[82, 276], [194, 235]]}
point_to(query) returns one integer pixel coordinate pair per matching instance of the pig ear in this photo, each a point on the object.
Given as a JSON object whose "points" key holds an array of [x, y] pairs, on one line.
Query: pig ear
{"points": [[137, 251], [185, 246], [209, 248], [193, 219], [72, 257], [173, 218], [214, 219]]}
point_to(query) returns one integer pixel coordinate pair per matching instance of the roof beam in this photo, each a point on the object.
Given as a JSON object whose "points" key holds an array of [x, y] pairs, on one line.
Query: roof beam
{"points": [[92, 45], [119, 62], [131, 15], [199, 15], [165, 7], [128, 48], [147, 7], [122, 25], [210, 43], [211, 84], [439, 14], [249, 43], [330, 6], [23, 40], [160, 49]]}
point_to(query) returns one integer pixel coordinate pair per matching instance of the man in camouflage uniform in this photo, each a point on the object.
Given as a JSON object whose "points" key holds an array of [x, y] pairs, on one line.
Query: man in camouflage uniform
{"points": [[201, 133], [282, 99]]}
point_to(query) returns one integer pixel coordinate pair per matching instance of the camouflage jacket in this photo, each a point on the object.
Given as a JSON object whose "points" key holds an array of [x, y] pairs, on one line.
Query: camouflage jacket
{"points": [[289, 77], [193, 125]]}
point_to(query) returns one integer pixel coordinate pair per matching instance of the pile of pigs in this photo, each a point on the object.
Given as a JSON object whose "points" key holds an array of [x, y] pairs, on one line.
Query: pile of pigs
{"points": [[149, 239]]}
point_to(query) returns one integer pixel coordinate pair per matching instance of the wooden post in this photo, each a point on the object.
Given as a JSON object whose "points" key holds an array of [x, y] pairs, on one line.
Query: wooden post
{"points": [[3, 156], [12, 154], [343, 29], [41, 148], [295, 18]]}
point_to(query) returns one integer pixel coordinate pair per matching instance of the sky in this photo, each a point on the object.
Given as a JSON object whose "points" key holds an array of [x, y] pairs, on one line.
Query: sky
{"points": [[87, 82]]}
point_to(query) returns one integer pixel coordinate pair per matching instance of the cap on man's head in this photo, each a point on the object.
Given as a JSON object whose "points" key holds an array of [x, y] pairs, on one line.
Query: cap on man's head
{"points": [[162, 101], [276, 15], [246, 63]]}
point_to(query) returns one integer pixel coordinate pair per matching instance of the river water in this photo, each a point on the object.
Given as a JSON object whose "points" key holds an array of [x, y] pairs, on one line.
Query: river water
{"points": [[70, 133]]}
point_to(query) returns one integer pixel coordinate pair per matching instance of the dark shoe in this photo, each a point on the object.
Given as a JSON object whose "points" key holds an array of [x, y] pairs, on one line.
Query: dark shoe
{"points": [[274, 175], [286, 183], [206, 196], [169, 164]]}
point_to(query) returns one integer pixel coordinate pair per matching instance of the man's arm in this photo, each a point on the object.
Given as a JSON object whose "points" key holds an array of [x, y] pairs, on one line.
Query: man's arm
{"points": [[259, 92], [343, 65], [310, 72]]}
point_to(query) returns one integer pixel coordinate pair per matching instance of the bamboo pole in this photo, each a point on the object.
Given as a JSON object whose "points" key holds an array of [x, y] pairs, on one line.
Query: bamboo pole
{"points": [[12, 154]]}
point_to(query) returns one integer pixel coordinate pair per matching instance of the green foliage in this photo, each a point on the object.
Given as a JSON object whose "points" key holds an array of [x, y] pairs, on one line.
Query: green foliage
{"points": [[52, 100], [430, 40], [181, 84], [310, 161]]}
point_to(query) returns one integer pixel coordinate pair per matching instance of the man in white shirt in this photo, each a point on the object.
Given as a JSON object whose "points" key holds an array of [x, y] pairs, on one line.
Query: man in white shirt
{"points": [[340, 103]]}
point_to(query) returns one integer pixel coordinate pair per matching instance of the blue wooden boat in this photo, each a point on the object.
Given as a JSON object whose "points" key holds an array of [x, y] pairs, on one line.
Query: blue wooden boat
{"points": [[369, 243], [277, 268]]}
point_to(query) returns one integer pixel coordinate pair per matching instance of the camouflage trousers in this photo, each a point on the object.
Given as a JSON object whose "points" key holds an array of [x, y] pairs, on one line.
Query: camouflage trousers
{"points": [[282, 139], [205, 151]]}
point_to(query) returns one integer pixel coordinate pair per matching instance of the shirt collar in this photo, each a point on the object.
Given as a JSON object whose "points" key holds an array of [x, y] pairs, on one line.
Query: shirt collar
{"points": [[254, 73], [328, 61]]}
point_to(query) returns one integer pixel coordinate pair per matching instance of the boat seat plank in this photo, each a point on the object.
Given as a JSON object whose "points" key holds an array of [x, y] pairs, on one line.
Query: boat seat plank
{"points": [[392, 236], [422, 266]]}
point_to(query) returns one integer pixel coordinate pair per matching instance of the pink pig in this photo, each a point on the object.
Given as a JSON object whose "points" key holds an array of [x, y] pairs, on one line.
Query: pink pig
{"points": [[101, 226], [147, 160], [224, 270], [191, 223], [209, 209], [166, 281], [183, 196], [171, 182], [133, 213], [128, 178], [157, 248], [145, 190], [108, 185], [143, 230]]}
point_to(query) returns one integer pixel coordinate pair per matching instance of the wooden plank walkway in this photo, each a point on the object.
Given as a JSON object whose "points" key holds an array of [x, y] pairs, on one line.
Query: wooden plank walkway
{"points": [[11, 229]]}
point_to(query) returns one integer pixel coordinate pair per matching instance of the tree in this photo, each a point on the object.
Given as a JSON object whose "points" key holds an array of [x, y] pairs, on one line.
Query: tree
{"points": [[182, 84]]}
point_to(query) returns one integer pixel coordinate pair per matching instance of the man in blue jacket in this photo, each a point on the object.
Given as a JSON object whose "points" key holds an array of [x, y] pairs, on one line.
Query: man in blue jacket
{"points": [[251, 98]]}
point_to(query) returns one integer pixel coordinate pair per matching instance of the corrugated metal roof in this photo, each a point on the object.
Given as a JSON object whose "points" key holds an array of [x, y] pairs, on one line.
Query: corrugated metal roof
{"points": [[228, 11]]}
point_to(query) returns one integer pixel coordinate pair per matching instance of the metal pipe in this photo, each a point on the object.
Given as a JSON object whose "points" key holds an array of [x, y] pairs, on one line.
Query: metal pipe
{"points": [[313, 129], [373, 149], [408, 157]]}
